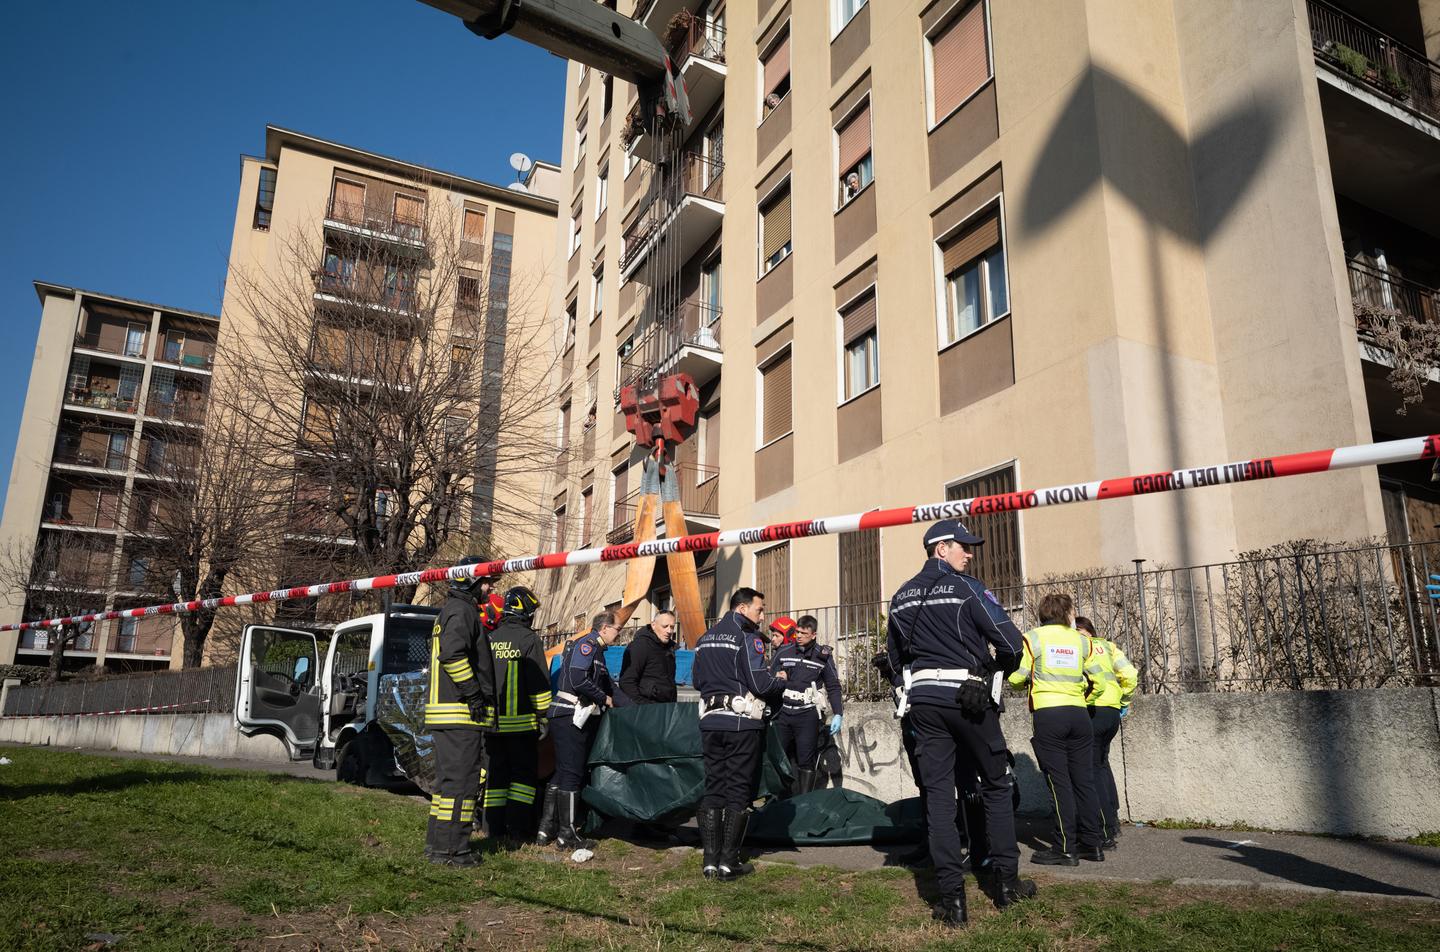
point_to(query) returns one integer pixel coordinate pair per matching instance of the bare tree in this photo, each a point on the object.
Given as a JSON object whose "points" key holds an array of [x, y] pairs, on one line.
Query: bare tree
{"points": [[397, 381], [61, 574]]}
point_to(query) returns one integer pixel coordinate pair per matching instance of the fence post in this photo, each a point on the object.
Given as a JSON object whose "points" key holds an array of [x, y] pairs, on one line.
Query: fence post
{"points": [[150, 694], [1144, 635]]}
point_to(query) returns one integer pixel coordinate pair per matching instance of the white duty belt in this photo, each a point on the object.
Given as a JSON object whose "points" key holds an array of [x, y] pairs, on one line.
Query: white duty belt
{"points": [[568, 698], [939, 676], [800, 697]]}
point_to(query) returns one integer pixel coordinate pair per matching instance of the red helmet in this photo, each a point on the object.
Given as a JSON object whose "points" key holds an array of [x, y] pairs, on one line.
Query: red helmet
{"points": [[784, 626], [491, 610]]}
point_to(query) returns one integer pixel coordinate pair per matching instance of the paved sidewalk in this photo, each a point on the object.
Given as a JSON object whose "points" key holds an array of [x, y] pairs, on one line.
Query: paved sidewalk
{"points": [[1146, 854]]}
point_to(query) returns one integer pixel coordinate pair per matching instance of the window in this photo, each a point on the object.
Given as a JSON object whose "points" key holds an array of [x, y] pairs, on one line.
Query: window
{"points": [[575, 228], [409, 215], [607, 94], [775, 228], [467, 291], [564, 439], [456, 429], [135, 340], [129, 384], [861, 345], [857, 166], [460, 356], [975, 289], [347, 202], [959, 60], [560, 529], [580, 135], [775, 74], [772, 577], [472, 232], [584, 71], [844, 12], [630, 160], [174, 346], [570, 322], [997, 562], [338, 271], [775, 413], [587, 510], [861, 594], [602, 191], [713, 148], [711, 292], [115, 450], [265, 199], [139, 569], [619, 515], [597, 293]]}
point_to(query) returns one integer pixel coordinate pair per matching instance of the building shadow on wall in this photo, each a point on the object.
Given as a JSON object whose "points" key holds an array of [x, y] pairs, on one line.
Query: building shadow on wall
{"points": [[1297, 869]]}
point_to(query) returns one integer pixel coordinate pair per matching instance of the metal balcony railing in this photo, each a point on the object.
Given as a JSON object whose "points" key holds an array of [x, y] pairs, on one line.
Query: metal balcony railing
{"points": [[99, 400], [359, 215], [125, 347], [1375, 288], [165, 406], [705, 40], [692, 174], [1354, 47], [699, 496], [692, 324], [100, 459]]}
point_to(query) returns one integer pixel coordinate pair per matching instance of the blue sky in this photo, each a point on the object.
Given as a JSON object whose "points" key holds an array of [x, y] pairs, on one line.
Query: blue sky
{"points": [[126, 123]]}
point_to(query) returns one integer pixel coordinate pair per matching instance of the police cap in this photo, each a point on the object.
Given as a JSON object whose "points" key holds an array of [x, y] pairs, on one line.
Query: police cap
{"points": [[950, 530]]}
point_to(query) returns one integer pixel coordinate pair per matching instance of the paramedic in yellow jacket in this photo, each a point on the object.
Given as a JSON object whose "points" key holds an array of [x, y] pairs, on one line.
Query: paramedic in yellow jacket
{"points": [[1057, 665], [1109, 700]]}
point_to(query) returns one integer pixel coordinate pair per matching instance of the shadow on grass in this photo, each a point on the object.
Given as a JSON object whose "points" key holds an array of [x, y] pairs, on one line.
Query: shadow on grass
{"points": [[1297, 869], [109, 783]]}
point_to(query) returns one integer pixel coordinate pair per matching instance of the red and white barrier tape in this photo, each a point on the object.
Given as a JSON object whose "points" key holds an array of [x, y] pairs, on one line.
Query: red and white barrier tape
{"points": [[128, 710], [1244, 471]]}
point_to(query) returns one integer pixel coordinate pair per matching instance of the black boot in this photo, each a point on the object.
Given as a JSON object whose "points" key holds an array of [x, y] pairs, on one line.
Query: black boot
{"points": [[951, 910], [1053, 857], [804, 781], [453, 845], [497, 824], [709, 820], [1010, 889], [548, 817], [1094, 854], [732, 834], [569, 837]]}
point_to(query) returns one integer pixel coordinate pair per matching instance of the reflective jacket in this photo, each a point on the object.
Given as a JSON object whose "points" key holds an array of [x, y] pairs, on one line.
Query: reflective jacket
{"points": [[582, 674], [730, 662], [943, 619], [1117, 678], [460, 667], [1059, 665], [522, 685], [804, 666]]}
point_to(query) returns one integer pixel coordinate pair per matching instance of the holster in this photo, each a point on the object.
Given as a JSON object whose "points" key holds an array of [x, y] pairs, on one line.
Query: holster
{"points": [[973, 696]]}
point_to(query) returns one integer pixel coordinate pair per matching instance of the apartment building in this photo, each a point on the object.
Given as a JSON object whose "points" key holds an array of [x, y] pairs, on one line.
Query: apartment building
{"points": [[116, 403], [388, 239], [933, 249]]}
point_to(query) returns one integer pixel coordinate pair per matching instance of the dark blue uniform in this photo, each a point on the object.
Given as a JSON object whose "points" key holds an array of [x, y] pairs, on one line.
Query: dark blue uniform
{"points": [[798, 724], [583, 679], [942, 622]]}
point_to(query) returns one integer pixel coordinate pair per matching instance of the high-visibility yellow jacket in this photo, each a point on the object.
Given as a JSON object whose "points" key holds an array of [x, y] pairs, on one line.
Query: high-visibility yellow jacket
{"points": [[1117, 679], [1057, 663]]}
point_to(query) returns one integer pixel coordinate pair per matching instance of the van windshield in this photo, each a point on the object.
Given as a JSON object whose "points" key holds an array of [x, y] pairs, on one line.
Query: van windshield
{"points": [[407, 644]]}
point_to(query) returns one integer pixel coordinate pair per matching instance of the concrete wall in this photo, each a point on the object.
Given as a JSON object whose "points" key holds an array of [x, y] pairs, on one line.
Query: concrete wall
{"points": [[188, 735], [1340, 762]]}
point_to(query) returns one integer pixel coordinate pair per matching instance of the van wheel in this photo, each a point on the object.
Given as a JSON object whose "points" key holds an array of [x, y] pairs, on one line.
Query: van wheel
{"points": [[350, 764]]}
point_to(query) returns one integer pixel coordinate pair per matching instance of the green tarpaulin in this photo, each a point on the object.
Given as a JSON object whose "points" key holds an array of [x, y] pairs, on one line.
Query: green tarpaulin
{"points": [[836, 817], [646, 766]]}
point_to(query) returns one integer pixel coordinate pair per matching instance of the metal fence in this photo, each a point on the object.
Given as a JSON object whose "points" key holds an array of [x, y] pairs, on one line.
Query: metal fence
{"points": [[194, 691], [1306, 619]]}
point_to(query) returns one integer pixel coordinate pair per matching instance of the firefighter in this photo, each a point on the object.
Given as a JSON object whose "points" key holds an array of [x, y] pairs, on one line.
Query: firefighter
{"points": [[781, 633], [942, 629], [522, 699], [808, 667], [583, 691], [730, 674], [1059, 667], [1108, 702], [461, 706]]}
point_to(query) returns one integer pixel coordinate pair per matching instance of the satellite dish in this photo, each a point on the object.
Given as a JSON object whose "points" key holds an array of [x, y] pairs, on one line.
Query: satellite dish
{"points": [[517, 187], [521, 162]]}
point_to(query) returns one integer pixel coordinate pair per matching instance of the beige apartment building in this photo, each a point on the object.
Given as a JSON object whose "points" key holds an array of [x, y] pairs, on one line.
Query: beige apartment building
{"points": [[116, 401], [380, 231], [927, 249]]}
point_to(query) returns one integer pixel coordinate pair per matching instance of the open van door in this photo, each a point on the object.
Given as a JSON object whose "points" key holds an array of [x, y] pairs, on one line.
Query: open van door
{"points": [[277, 687]]}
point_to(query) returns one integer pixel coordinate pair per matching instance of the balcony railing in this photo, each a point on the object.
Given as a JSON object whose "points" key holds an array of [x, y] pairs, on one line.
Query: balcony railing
{"points": [[705, 40], [100, 459], [357, 289], [699, 496], [693, 175], [692, 324], [169, 408], [125, 347], [100, 400], [358, 215], [1381, 62], [1372, 287]]}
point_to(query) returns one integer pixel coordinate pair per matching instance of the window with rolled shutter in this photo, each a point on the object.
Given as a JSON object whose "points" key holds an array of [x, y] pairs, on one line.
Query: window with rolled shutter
{"points": [[997, 562], [777, 68], [854, 138], [775, 228], [348, 203], [409, 209], [772, 578], [971, 243], [861, 344], [474, 230], [960, 60], [775, 399]]}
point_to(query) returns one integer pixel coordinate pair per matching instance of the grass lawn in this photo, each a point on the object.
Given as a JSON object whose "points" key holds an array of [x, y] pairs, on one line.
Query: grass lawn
{"points": [[169, 856]]}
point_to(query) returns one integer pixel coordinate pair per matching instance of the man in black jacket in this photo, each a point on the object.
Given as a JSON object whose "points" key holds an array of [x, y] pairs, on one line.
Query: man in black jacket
{"points": [[647, 673]]}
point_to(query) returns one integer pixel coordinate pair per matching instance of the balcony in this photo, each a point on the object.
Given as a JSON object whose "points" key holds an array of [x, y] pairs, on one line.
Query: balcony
{"points": [[697, 48], [687, 201], [90, 458], [351, 288], [128, 346], [103, 400], [1382, 64], [146, 637], [186, 354], [357, 220], [699, 497], [168, 406], [1375, 288], [687, 341]]}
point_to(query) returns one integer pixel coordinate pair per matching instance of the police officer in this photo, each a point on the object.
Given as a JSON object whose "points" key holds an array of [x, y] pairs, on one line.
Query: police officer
{"points": [[584, 690], [522, 693], [1108, 702], [461, 705], [943, 625], [1057, 664], [730, 674], [808, 666]]}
